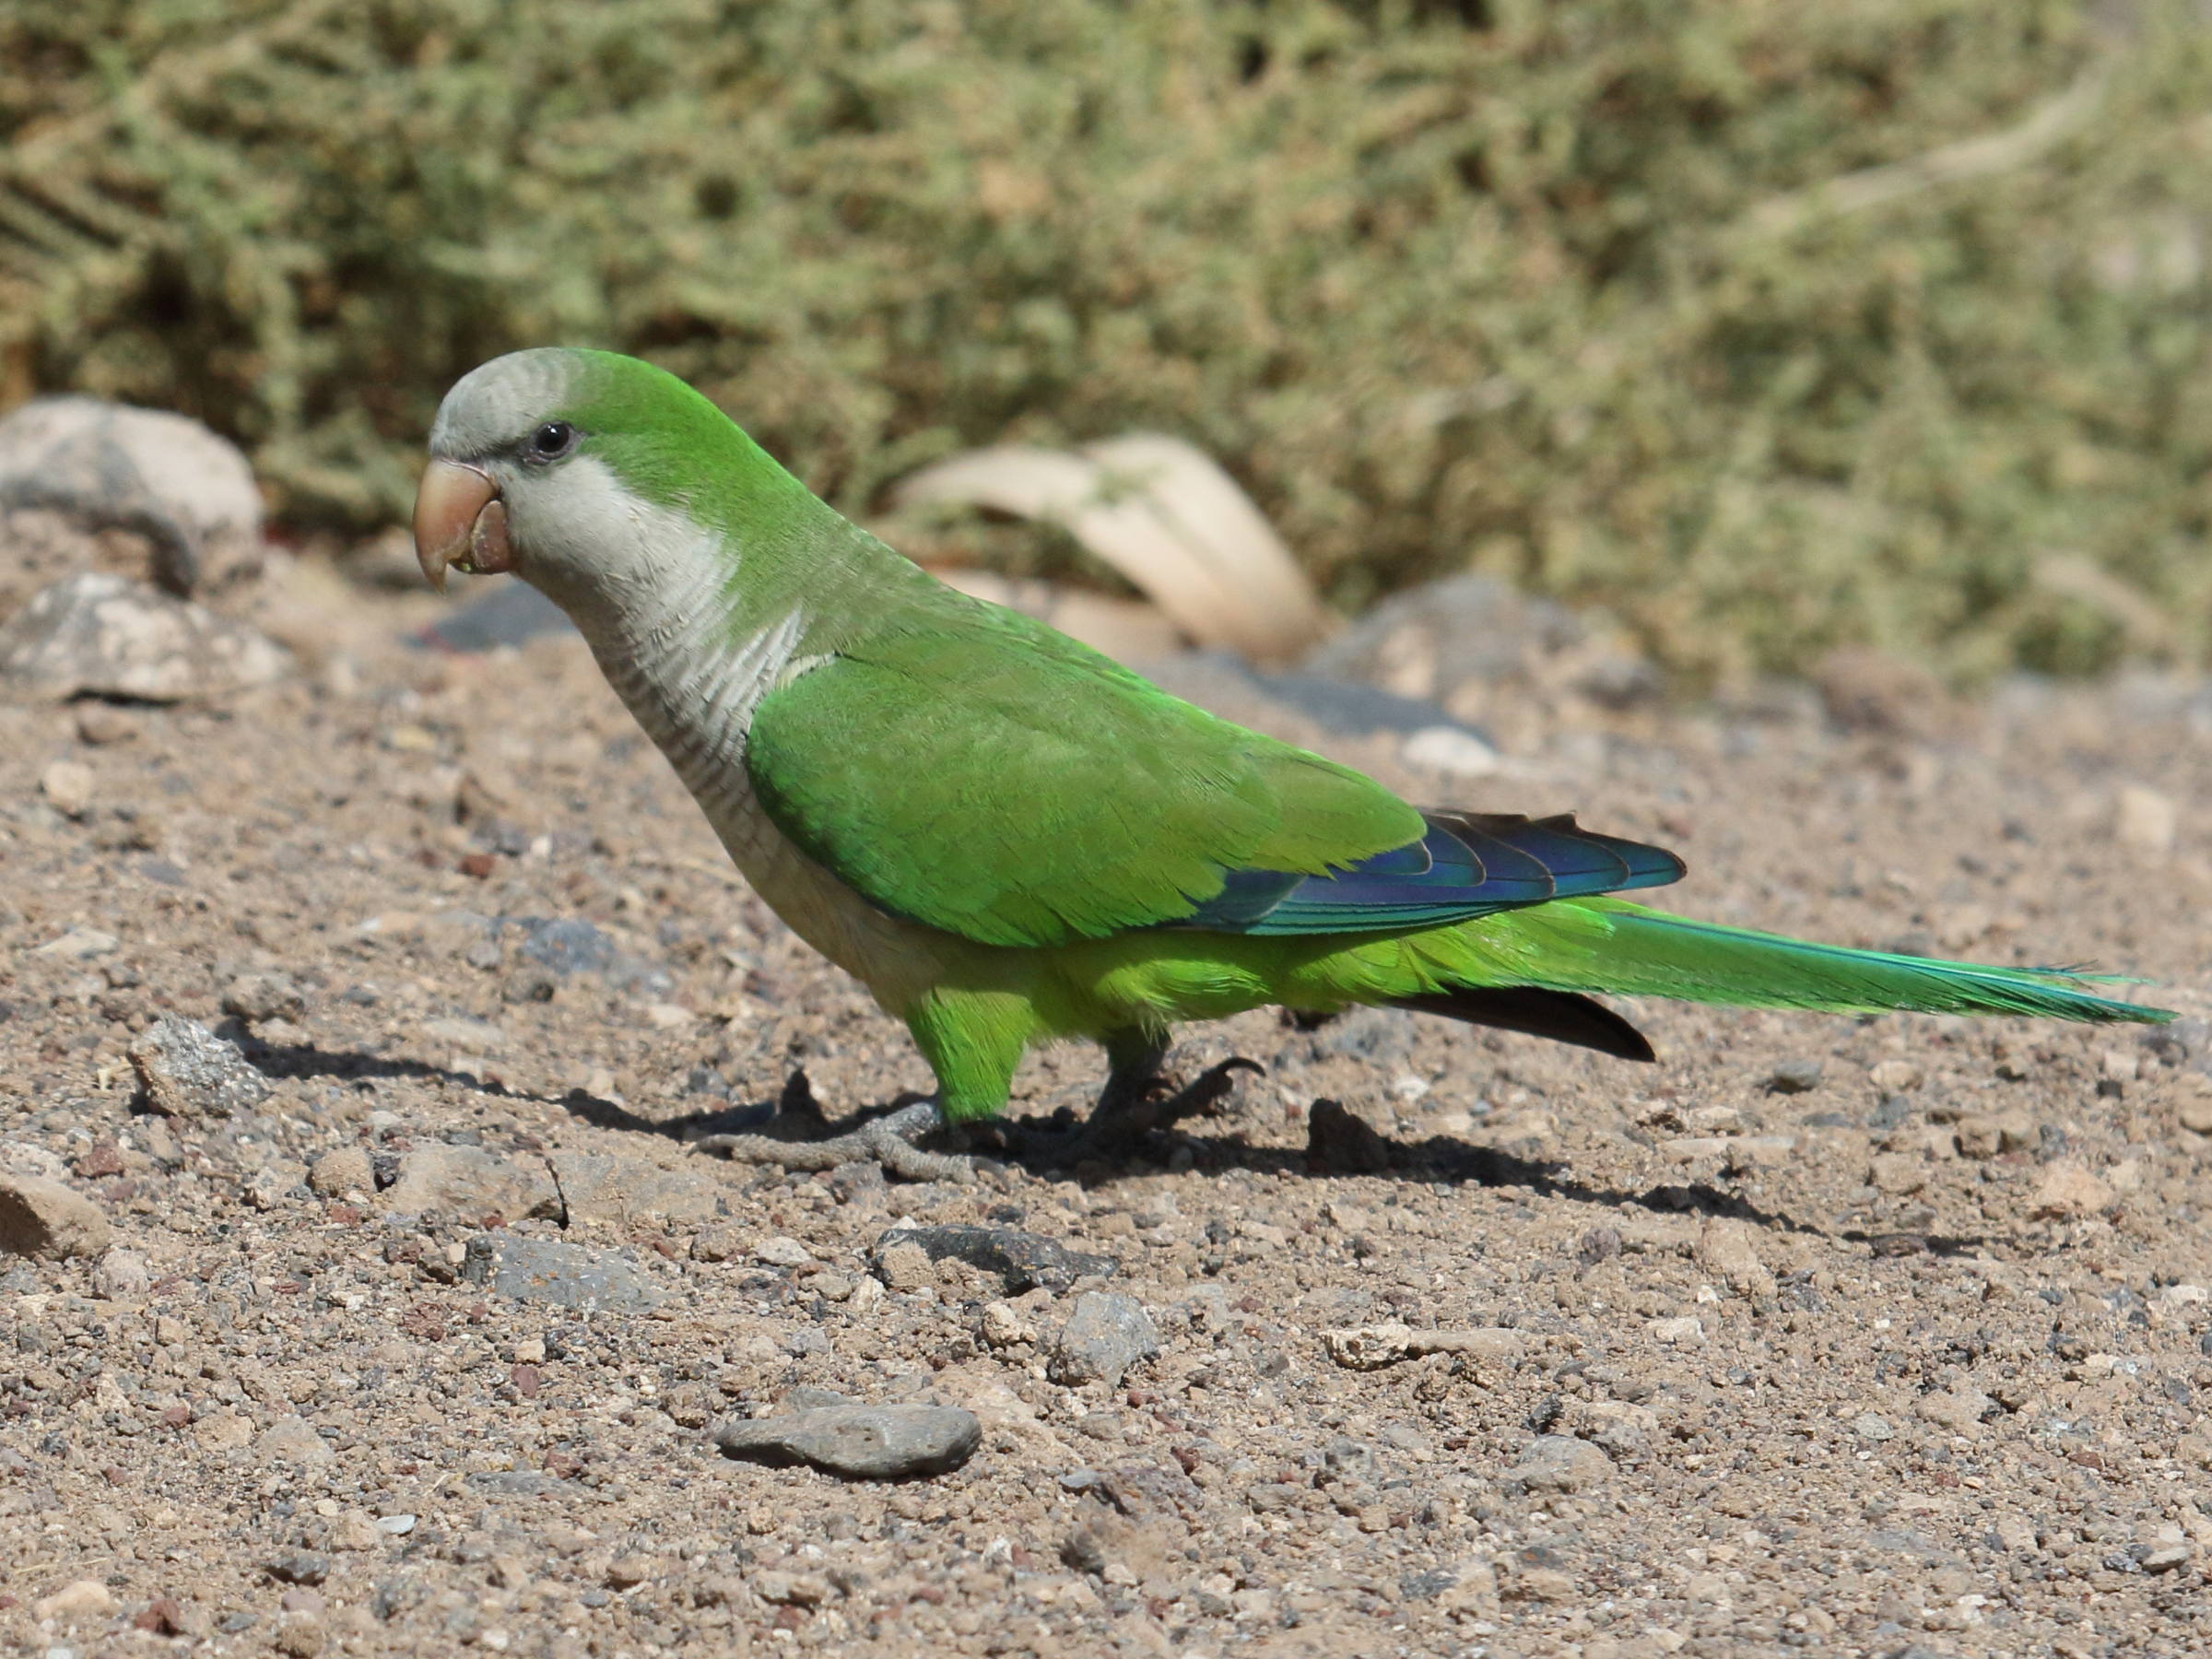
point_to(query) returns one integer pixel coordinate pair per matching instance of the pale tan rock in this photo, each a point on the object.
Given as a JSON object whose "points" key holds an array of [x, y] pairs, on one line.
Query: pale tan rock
{"points": [[341, 1173], [45, 1218], [81, 1599], [123, 1275], [1002, 1324], [1724, 1249], [2069, 1190], [1897, 1077], [1990, 1134], [292, 1440], [1762, 1152], [222, 1431], [99, 724], [2193, 1102], [1560, 1463], [2144, 818], [1959, 1409], [68, 786], [622, 1192], [355, 1531], [473, 1183], [79, 944], [1898, 1173], [906, 1267], [1370, 1347]]}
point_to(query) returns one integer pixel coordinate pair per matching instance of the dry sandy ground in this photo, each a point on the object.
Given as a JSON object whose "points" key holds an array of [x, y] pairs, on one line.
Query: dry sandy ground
{"points": [[1907, 1362]]}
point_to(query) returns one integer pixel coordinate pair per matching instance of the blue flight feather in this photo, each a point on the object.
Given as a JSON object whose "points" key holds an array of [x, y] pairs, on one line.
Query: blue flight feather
{"points": [[1465, 865]]}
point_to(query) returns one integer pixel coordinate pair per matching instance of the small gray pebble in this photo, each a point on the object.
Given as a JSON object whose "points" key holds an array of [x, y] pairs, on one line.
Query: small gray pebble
{"points": [[1105, 1335], [1795, 1076], [1022, 1259], [1560, 1463]]}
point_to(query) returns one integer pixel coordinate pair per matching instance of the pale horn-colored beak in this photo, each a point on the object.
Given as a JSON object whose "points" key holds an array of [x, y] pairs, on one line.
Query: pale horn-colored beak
{"points": [[460, 522]]}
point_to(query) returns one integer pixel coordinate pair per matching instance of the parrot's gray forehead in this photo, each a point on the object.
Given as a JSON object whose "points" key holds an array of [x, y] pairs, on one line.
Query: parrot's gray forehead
{"points": [[493, 404]]}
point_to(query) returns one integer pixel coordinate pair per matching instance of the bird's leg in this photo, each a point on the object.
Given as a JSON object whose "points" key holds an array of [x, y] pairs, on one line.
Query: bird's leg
{"points": [[887, 1140], [1133, 1061], [1136, 1101]]}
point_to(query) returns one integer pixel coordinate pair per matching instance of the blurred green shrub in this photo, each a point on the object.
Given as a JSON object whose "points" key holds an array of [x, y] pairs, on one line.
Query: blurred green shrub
{"points": [[1769, 327]]}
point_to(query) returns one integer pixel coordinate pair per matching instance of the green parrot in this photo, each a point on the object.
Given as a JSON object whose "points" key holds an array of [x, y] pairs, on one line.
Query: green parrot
{"points": [[1012, 839]]}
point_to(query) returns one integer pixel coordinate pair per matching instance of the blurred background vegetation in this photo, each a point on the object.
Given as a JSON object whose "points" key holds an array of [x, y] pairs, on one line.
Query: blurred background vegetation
{"points": [[1767, 328]]}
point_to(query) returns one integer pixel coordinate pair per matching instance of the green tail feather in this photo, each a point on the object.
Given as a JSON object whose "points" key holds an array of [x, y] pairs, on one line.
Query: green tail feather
{"points": [[1638, 952]]}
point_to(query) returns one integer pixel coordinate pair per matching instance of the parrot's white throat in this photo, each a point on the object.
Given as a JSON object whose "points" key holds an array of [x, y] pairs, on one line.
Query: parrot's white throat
{"points": [[649, 588]]}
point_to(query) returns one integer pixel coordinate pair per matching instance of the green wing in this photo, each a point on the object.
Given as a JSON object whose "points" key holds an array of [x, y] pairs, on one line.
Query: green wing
{"points": [[994, 778]]}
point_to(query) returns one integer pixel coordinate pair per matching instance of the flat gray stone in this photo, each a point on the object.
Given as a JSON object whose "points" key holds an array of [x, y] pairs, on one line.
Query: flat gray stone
{"points": [[187, 1071], [554, 1273], [1022, 1259], [1104, 1337], [863, 1442]]}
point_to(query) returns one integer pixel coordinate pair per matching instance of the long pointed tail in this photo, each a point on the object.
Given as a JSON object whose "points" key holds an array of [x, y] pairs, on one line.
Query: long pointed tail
{"points": [[1610, 945]]}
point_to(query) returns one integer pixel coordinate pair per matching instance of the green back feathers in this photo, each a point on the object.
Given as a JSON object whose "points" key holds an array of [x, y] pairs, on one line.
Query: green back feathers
{"points": [[971, 769]]}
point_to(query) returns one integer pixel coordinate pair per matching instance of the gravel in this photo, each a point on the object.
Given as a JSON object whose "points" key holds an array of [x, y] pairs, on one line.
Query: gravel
{"points": [[448, 1305]]}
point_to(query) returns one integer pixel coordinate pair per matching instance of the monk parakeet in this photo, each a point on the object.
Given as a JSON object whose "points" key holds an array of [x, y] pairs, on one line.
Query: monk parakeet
{"points": [[1010, 839]]}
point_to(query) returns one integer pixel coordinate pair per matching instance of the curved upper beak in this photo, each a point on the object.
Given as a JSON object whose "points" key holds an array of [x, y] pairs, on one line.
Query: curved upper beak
{"points": [[460, 522]]}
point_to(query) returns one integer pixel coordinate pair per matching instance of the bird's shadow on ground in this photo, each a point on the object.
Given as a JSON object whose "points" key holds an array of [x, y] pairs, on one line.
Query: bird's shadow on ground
{"points": [[1339, 1143], [305, 1060]]}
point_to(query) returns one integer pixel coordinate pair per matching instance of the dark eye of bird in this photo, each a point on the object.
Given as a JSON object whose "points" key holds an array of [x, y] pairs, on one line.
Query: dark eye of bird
{"points": [[555, 439]]}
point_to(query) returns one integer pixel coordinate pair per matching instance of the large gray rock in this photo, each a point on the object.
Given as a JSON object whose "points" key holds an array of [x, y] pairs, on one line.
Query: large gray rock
{"points": [[865, 1443], [108, 636], [554, 1273], [142, 491]]}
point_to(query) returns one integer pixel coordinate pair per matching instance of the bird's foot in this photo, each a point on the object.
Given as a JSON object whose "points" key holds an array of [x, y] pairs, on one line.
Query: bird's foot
{"points": [[887, 1141], [1125, 1115]]}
